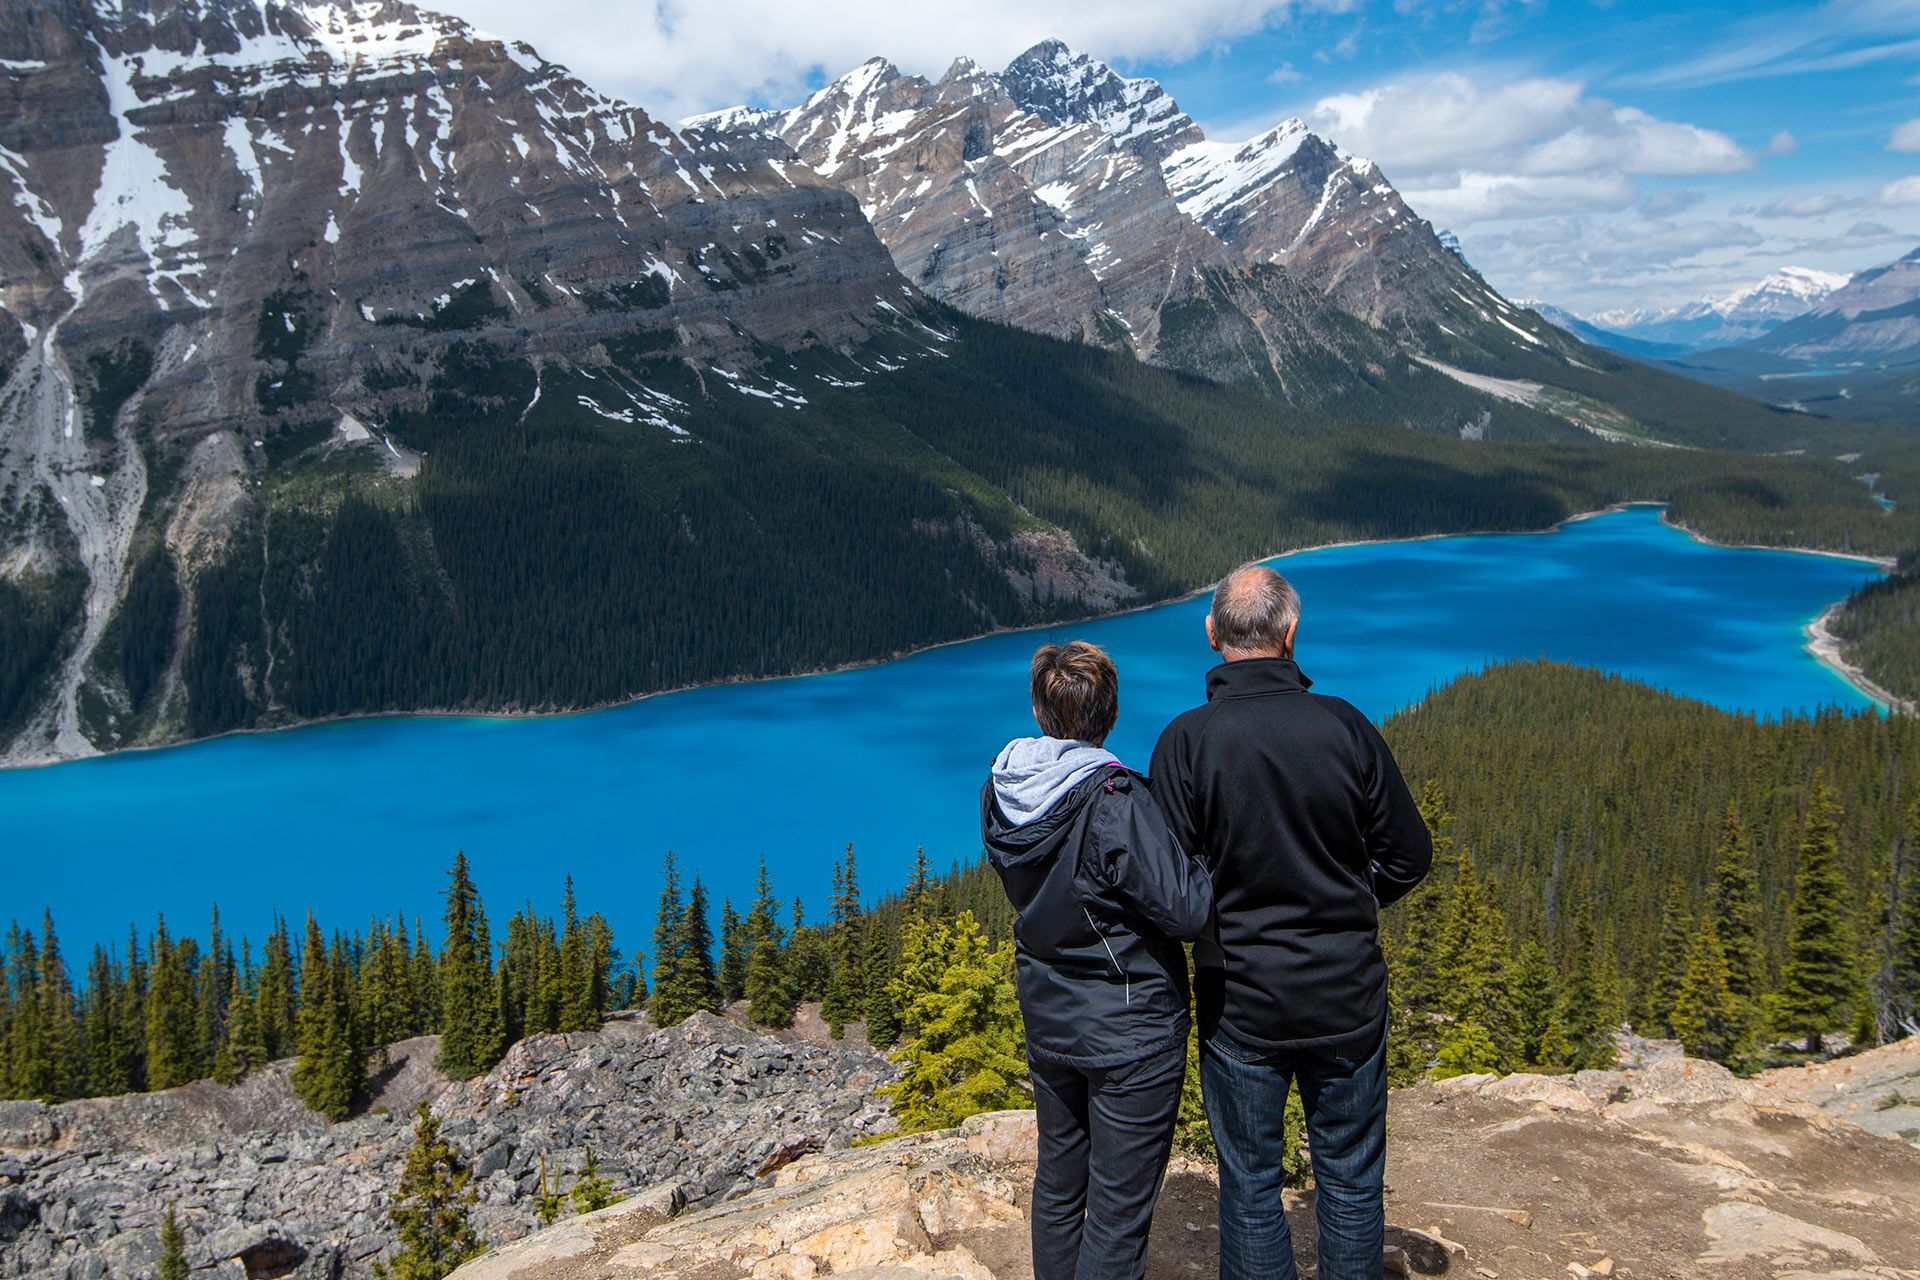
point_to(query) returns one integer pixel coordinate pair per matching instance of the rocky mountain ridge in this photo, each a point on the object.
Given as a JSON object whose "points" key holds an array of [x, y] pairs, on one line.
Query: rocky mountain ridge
{"points": [[1060, 196]]}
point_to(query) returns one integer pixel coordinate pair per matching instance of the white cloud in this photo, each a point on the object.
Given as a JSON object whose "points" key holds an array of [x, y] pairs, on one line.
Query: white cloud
{"points": [[1783, 143], [1906, 137], [1905, 191], [1285, 74], [678, 57], [1805, 204], [1536, 145], [1664, 204], [1472, 197]]}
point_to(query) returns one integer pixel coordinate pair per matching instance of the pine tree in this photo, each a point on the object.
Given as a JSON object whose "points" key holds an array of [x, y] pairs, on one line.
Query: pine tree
{"points": [[169, 1012], [426, 982], [430, 1208], [386, 1003], [733, 955], [590, 1191], [1903, 968], [330, 1074], [845, 996], [1818, 981], [246, 1049], [695, 944], [1582, 1021], [547, 1200], [130, 1017], [602, 957], [1609, 996], [1424, 911], [963, 1046], [1535, 987], [279, 993], [921, 889], [102, 997], [1677, 932], [882, 1010], [1472, 964], [1466, 1049], [173, 1248], [1409, 1035], [671, 1001], [1733, 904], [1706, 1014], [770, 996], [54, 1066], [470, 1036], [579, 1007], [212, 985]]}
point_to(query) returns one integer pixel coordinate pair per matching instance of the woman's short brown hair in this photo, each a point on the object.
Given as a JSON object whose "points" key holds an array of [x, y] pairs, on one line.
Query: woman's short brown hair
{"points": [[1076, 691]]}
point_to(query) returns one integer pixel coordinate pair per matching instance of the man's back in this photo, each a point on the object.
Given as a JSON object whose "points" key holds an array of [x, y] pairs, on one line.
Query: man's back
{"points": [[1296, 805]]}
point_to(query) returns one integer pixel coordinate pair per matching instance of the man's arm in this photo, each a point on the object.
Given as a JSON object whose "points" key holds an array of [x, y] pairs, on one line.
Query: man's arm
{"points": [[1398, 842]]}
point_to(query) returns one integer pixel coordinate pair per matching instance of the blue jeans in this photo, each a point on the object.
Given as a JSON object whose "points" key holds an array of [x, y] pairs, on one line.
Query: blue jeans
{"points": [[1105, 1133], [1346, 1106]]}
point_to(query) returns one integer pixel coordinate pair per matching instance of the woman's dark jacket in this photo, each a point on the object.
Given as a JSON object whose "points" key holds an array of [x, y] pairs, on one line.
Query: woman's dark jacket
{"points": [[1105, 897]]}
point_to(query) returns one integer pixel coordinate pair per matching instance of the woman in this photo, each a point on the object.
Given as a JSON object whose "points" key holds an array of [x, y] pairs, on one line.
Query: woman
{"points": [[1105, 897]]}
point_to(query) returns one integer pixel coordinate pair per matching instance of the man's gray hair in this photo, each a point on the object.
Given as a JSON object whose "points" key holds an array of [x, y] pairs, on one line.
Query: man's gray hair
{"points": [[1253, 607]]}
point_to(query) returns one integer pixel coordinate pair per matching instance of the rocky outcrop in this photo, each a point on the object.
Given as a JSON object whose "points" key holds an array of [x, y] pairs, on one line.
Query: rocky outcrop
{"points": [[265, 1188], [1676, 1169]]}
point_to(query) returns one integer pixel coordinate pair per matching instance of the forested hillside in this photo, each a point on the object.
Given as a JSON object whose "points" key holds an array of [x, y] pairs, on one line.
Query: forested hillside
{"points": [[546, 556], [1611, 814]]}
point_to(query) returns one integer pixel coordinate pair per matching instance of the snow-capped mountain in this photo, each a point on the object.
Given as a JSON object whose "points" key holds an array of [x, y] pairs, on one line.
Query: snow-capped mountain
{"points": [[1729, 319], [228, 224], [1869, 318], [1062, 197]]}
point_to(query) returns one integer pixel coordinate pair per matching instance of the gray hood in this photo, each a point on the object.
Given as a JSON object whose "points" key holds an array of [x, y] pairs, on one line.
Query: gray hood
{"points": [[1030, 775]]}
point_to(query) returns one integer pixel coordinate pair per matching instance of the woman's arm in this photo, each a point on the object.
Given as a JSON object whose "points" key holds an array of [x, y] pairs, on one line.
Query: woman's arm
{"points": [[1151, 872]]}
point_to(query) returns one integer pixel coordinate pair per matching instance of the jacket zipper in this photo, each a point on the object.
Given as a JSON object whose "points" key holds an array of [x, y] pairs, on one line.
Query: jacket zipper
{"points": [[1124, 979]]}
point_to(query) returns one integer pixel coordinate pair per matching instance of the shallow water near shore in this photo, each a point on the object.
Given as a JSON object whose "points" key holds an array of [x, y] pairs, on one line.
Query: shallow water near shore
{"points": [[362, 817]]}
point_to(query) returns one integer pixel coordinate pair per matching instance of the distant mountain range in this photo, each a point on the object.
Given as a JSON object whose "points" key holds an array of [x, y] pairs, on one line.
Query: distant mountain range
{"points": [[1814, 341], [1727, 320]]}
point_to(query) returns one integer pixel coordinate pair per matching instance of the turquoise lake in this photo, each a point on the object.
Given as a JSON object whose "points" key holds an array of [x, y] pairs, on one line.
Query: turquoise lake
{"points": [[364, 816]]}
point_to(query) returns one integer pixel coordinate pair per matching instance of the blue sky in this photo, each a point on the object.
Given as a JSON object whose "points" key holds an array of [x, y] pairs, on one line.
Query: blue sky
{"points": [[1593, 154], [1811, 95]]}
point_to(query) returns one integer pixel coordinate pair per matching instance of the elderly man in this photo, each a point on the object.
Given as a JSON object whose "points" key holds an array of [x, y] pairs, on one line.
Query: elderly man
{"points": [[1293, 801]]}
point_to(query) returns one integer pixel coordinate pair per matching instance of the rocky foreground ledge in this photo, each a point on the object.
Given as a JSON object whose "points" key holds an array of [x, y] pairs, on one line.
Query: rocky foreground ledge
{"points": [[1677, 1170], [267, 1189]]}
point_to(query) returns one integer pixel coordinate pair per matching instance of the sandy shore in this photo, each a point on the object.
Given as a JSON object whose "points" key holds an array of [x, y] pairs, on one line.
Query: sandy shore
{"points": [[1825, 647]]}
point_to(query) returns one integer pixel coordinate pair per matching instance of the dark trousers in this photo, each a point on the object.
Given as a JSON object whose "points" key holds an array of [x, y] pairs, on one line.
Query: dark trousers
{"points": [[1346, 1105], [1105, 1133]]}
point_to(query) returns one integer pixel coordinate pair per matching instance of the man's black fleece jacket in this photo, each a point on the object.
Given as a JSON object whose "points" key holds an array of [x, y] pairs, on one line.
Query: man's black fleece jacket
{"points": [[1293, 801]]}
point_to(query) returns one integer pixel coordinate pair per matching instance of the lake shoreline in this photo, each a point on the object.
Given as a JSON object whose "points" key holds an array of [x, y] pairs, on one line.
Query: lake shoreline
{"points": [[1827, 654], [1824, 645]]}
